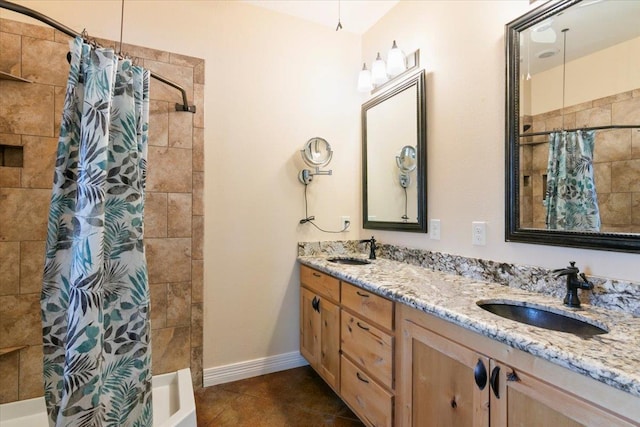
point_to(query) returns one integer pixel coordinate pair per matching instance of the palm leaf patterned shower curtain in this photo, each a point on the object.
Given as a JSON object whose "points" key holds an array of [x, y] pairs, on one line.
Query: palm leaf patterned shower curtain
{"points": [[571, 199], [95, 295]]}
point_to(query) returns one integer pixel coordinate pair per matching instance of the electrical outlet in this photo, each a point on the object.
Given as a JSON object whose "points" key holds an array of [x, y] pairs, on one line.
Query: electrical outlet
{"points": [[479, 233], [345, 222], [434, 229]]}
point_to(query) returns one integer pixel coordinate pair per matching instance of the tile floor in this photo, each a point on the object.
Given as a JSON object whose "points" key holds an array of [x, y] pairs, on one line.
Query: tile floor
{"points": [[293, 398]]}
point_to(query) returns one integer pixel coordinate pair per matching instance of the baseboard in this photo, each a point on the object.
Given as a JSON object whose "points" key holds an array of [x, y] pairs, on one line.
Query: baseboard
{"points": [[252, 368]]}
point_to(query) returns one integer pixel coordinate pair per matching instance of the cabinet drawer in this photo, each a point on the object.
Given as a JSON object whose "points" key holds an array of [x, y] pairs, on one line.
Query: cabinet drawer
{"points": [[372, 403], [369, 305], [321, 283], [369, 346]]}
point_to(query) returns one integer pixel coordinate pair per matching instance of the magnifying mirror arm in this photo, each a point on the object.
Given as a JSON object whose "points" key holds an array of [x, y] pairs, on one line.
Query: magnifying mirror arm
{"points": [[306, 175]]}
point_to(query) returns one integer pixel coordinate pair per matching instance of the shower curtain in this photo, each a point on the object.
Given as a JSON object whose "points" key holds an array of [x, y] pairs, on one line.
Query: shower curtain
{"points": [[571, 199], [95, 295]]}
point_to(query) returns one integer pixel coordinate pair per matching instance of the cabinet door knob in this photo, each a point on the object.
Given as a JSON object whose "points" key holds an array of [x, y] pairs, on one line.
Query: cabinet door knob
{"points": [[480, 375], [494, 381]]}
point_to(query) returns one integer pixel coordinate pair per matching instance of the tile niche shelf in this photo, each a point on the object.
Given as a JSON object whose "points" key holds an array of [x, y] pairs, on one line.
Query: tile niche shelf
{"points": [[7, 76], [8, 350]]}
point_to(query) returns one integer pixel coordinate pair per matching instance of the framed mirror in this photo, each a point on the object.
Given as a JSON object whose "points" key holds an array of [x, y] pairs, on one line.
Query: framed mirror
{"points": [[394, 158], [573, 94]]}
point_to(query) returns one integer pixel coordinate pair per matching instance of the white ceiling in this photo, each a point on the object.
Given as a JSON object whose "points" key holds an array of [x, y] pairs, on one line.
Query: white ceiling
{"points": [[356, 16]]}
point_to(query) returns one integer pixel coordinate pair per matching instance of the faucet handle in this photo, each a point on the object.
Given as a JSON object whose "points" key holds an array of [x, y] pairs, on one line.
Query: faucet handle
{"points": [[572, 269]]}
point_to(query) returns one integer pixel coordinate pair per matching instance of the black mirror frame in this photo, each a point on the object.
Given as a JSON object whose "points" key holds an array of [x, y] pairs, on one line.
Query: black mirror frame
{"points": [[418, 80], [513, 232]]}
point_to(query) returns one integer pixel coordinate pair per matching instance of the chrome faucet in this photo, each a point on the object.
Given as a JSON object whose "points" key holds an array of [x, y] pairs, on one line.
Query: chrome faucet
{"points": [[372, 247], [573, 284]]}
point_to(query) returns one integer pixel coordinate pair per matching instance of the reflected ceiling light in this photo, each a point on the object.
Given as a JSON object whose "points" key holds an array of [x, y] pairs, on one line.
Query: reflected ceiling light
{"points": [[544, 32], [365, 84], [396, 61], [379, 71]]}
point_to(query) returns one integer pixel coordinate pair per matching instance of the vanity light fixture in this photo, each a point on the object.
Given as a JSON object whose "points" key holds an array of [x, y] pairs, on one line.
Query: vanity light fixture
{"points": [[316, 153], [383, 73]]}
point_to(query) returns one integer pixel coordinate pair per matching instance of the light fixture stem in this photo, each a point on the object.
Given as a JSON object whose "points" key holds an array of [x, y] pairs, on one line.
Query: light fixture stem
{"points": [[121, 26]]}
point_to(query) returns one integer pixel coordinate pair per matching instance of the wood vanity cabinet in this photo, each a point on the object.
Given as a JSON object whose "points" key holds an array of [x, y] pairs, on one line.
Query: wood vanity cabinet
{"points": [[450, 376], [320, 324]]}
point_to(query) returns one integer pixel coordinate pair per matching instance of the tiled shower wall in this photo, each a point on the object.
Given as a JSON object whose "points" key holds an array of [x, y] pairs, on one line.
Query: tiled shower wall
{"points": [[30, 118], [616, 160]]}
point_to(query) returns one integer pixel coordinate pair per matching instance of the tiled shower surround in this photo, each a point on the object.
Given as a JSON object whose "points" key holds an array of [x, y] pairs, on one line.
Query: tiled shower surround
{"points": [[607, 293], [616, 160], [30, 118]]}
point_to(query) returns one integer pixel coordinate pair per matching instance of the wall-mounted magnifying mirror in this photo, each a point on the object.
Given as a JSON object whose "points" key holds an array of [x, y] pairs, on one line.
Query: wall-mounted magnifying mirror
{"points": [[316, 153], [395, 118], [572, 84], [407, 163]]}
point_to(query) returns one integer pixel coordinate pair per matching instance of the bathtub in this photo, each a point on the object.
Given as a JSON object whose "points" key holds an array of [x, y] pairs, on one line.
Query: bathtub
{"points": [[173, 405]]}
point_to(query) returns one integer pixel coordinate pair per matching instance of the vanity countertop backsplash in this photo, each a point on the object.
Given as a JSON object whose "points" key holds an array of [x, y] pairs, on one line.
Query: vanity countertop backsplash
{"points": [[449, 286]]}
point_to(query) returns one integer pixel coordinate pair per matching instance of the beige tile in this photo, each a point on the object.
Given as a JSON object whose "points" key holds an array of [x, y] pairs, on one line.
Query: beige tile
{"points": [[608, 100], [31, 30], [635, 143], [179, 304], [31, 378], [539, 211], [538, 184], [196, 367], [176, 73], [31, 266], [599, 116], [179, 214], [171, 350], [158, 294], [197, 281], [10, 45], [61, 37], [187, 61], [169, 170], [158, 123], [540, 156], [626, 112], [180, 129], [146, 53], [578, 107], [10, 139], [39, 161], [10, 177], [26, 108], [45, 61], [196, 325], [625, 176], [198, 237], [169, 260], [23, 214], [9, 367], [59, 94], [612, 145], [602, 177], [198, 149], [198, 73], [155, 215], [526, 157], [198, 100], [556, 122], [198, 193], [20, 322], [9, 268], [615, 208], [635, 209]]}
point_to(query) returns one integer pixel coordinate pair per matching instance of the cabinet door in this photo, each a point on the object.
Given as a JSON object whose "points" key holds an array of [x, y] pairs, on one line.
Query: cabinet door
{"points": [[309, 327], [519, 400], [438, 381], [329, 367]]}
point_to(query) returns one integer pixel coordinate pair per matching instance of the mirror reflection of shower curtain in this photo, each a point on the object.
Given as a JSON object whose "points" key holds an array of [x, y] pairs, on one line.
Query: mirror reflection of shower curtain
{"points": [[571, 199]]}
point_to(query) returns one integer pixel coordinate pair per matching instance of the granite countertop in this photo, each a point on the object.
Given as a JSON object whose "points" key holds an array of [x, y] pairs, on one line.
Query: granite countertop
{"points": [[612, 358]]}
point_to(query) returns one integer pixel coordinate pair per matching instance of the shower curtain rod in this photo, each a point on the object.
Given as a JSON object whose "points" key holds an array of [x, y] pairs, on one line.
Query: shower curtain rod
{"points": [[68, 31], [522, 135]]}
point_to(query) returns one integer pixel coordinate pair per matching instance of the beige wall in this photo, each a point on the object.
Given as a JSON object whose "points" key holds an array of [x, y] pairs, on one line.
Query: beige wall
{"points": [[462, 49], [274, 81]]}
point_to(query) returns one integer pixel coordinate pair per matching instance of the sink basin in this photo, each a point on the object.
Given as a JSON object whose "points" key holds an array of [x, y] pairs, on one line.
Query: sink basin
{"points": [[537, 316], [349, 261]]}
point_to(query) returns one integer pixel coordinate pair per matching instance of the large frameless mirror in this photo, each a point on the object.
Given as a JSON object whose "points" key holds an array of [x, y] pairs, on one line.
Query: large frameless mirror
{"points": [[394, 158], [573, 125]]}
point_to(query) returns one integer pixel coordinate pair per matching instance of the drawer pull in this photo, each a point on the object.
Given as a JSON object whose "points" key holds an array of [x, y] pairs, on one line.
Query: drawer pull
{"points": [[317, 275], [364, 380], [362, 295], [362, 327]]}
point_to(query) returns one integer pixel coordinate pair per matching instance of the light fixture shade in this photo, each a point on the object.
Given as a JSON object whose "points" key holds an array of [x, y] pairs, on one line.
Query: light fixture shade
{"points": [[379, 71], [396, 62], [365, 84]]}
